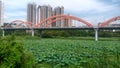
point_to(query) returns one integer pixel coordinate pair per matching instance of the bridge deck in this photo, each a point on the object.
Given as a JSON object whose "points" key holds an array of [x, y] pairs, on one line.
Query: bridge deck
{"points": [[100, 28]]}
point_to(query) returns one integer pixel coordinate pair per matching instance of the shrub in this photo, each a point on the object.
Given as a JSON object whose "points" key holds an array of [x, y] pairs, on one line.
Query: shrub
{"points": [[13, 55]]}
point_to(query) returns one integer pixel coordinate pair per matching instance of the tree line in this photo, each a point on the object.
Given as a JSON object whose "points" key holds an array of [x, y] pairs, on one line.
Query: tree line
{"points": [[63, 33]]}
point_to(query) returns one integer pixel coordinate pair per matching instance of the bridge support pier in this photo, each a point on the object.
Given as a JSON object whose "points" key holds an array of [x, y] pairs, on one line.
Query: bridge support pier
{"points": [[32, 33], [96, 34], [3, 32]]}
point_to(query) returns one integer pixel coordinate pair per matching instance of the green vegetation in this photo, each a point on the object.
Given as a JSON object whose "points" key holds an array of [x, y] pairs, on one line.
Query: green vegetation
{"points": [[64, 53], [62, 33], [13, 55], [59, 52]]}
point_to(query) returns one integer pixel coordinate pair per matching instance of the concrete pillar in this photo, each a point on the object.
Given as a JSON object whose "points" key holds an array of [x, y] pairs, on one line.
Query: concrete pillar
{"points": [[3, 33], [32, 33], [96, 34]]}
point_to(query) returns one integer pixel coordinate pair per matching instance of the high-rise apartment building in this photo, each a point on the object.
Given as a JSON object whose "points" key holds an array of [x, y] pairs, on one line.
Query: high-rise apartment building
{"points": [[67, 22], [1, 13], [58, 11], [36, 15], [44, 12], [31, 13]]}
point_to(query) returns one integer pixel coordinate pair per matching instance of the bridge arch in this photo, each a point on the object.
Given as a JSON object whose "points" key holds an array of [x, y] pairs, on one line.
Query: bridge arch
{"points": [[21, 22], [53, 21], [50, 19], [103, 24], [29, 24]]}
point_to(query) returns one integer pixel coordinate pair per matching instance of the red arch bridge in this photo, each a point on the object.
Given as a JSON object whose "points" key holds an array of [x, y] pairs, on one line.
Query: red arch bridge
{"points": [[46, 24]]}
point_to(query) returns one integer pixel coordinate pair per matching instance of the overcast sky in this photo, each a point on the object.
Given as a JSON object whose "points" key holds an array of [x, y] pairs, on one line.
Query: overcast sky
{"points": [[91, 10]]}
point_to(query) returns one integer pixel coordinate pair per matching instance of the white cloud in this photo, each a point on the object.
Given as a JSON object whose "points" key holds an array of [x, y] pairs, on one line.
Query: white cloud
{"points": [[115, 0], [79, 5], [13, 10], [86, 7], [21, 15]]}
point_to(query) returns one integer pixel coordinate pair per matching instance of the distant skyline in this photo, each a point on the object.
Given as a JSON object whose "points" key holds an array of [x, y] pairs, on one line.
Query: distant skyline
{"points": [[93, 11]]}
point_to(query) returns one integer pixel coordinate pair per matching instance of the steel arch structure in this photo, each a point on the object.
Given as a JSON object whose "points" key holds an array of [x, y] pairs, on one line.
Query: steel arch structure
{"points": [[103, 24], [29, 24], [53, 21], [62, 17]]}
